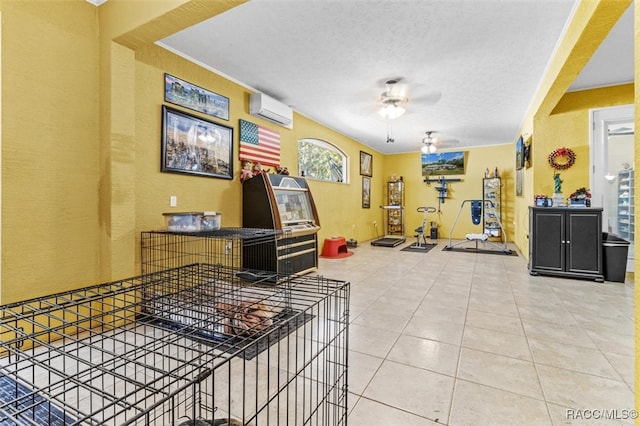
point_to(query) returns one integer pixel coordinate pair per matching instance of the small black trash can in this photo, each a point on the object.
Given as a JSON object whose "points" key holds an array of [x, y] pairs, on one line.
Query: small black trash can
{"points": [[614, 257]]}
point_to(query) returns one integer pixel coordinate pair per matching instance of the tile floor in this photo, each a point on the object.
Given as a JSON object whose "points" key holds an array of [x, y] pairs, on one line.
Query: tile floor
{"points": [[473, 339]]}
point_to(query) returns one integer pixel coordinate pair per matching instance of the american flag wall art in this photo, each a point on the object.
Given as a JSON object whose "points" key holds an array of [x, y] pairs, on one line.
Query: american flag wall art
{"points": [[259, 144]]}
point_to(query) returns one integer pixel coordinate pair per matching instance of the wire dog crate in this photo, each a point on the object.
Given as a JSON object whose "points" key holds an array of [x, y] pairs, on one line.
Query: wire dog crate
{"points": [[182, 346], [231, 247]]}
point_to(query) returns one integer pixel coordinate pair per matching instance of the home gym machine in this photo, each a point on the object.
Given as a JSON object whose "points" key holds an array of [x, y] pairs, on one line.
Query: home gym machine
{"points": [[476, 207], [394, 225], [421, 231]]}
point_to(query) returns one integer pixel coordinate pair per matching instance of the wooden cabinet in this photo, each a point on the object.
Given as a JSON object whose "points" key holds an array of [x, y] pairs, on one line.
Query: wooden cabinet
{"points": [[283, 203], [566, 242], [492, 211], [395, 217]]}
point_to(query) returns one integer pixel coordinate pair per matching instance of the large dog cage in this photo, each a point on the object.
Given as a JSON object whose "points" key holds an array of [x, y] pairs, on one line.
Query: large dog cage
{"points": [[182, 346], [230, 247], [261, 253]]}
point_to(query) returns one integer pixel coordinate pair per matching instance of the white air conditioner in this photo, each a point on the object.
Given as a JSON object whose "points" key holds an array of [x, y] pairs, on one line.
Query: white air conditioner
{"points": [[263, 106]]}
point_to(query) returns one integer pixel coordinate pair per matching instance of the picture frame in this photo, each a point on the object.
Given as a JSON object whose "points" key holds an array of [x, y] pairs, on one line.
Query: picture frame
{"points": [[185, 94], [526, 153], [443, 163], [519, 153], [519, 182], [196, 146], [366, 192], [366, 164]]}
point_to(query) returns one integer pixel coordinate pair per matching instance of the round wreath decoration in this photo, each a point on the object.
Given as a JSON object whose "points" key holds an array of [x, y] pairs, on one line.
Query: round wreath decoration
{"points": [[562, 158]]}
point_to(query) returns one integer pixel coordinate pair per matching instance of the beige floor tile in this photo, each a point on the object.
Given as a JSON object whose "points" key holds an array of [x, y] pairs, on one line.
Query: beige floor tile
{"points": [[612, 342], [435, 311], [496, 342], [383, 320], [500, 372], [503, 323], [584, 360], [556, 315], [583, 391], [371, 341], [434, 329], [562, 333], [624, 365], [362, 367], [483, 342], [475, 404], [495, 307], [412, 389], [369, 413], [428, 354]]}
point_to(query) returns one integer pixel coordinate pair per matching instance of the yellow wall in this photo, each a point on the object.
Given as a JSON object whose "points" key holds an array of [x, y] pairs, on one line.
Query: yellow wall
{"points": [[477, 160], [50, 147], [568, 126], [81, 97]]}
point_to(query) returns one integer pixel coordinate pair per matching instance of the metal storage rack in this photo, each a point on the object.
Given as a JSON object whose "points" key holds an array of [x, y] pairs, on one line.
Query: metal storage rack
{"points": [[170, 347], [492, 206], [626, 218]]}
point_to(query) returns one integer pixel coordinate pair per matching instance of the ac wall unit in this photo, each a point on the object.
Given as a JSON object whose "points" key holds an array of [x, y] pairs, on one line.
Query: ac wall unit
{"points": [[263, 106]]}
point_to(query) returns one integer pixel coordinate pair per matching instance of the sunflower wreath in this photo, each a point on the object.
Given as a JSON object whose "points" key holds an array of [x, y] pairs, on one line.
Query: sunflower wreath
{"points": [[562, 158]]}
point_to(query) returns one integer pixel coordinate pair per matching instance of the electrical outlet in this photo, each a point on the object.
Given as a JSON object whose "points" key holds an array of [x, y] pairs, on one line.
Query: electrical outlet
{"points": [[173, 201]]}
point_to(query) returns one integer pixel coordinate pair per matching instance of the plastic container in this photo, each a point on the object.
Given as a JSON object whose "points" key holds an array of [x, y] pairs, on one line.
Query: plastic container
{"points": [[614, 257], [192, 221]]}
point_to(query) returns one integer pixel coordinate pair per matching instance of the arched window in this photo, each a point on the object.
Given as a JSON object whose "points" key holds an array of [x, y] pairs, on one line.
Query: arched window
{"points": [[322, 160]]}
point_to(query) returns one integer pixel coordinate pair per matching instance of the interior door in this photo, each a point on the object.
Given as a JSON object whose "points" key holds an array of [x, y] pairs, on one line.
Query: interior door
{"points": [[612, 162]]}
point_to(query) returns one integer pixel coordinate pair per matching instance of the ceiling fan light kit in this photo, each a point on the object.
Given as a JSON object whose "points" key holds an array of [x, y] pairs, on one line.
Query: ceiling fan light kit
{"points": [[391, 111], [392, 101], [429, 144]]}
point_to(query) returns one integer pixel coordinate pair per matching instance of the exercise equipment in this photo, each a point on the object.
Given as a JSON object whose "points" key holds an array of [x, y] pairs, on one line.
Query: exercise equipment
{"points": [[421, 231], [391, 240], [476, 207]]}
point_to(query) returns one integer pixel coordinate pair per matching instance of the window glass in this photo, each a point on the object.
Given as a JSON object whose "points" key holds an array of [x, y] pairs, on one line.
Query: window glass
{"points": [[318, 159]]}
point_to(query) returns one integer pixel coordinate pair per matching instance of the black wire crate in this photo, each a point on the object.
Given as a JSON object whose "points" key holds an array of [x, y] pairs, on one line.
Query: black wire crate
{"points": [[182, 346], [230, 247]]}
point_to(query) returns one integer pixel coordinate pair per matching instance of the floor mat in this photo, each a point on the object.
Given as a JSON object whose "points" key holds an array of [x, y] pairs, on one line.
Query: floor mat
{"points": [[425, 248], [18, 402], [480, 251]]}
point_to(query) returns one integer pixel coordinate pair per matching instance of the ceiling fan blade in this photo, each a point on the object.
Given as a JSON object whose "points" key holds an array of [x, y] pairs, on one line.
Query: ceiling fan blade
{"points": [[428, 98]]}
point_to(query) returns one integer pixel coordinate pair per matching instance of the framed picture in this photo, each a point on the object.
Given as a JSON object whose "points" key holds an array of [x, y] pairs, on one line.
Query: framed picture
{"points": [[188, 95], [519, 182], [443, 163], [526, 152], [195, 146], [366, 192], [519, 153], [366, 164]]}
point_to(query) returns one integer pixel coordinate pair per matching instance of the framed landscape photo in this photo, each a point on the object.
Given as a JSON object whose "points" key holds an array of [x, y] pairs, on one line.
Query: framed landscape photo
{"points": [[519, 153], [193, 145], [180, 92], [366, 192], [443, 163], [366, 164]]}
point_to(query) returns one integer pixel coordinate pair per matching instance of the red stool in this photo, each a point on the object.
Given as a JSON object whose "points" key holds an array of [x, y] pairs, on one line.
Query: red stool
{"points": [[335, 247]]}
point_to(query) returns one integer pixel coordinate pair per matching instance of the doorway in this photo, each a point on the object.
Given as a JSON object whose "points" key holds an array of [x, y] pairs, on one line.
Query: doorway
{"points": [[612, 177]]}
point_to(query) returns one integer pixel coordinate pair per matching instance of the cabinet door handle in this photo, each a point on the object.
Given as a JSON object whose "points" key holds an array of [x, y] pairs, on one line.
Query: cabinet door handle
{"points": [[568, 242], [563, 241]]}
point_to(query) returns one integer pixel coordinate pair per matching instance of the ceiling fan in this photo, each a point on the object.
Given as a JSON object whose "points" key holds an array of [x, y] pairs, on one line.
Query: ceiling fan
{"points": [[393, 100], [429, 144]]}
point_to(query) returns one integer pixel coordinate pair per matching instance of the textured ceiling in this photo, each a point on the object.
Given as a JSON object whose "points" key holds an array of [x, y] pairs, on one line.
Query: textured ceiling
{"points": [[470, 68]]}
